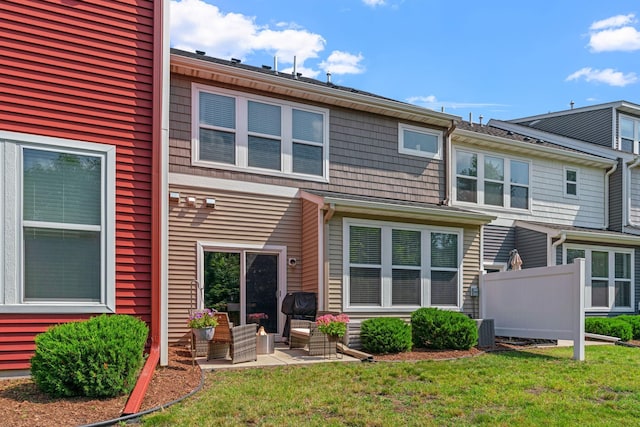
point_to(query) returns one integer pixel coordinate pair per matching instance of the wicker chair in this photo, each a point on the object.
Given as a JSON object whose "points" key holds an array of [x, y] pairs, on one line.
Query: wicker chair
{"points": [[219, 346], [243, 343], [305, 333]]}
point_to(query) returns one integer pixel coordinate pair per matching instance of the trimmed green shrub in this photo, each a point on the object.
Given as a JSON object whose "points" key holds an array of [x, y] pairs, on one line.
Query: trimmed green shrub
{"points": [[610, 326], [442, 329], [634, 321], [99, 357], [384, 335]]}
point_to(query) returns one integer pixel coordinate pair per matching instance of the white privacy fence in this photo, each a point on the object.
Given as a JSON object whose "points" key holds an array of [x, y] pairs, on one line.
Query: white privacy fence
{"points": [[545, 302]]}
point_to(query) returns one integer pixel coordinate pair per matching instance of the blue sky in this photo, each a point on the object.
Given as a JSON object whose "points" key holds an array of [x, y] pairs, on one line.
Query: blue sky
{"points": [[498, 59]]}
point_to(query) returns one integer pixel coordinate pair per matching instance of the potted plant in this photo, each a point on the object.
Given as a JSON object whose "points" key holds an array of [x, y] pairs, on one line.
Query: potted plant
{"points": [[203, 323], [333, 325]]}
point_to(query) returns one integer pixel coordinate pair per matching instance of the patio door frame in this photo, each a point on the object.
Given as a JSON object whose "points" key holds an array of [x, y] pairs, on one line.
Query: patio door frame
{"points": [[243, 249]]}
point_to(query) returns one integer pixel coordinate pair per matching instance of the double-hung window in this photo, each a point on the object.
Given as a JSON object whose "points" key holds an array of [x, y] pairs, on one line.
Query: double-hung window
{"points": [[570, 182], [610, 276], [629, 134], [396, 266], [59, 210], [238, 131], [491, 180]]}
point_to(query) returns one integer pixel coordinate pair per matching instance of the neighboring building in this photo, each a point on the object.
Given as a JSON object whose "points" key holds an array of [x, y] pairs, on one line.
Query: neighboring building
{"points": [[81, 164], [609, 248], [615, 126], [282, 183]]}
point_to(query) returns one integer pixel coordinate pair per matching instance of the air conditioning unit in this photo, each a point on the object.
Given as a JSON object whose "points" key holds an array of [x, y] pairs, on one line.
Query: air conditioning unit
{"points": [[486, 332]]}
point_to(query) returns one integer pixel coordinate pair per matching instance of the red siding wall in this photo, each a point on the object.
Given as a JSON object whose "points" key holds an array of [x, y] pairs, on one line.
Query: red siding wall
{"points": [[83, 70]]}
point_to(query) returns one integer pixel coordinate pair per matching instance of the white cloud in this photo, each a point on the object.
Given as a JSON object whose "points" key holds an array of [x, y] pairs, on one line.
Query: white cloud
{"points": [[374, 3], [202, 26], [608, 76], [614, 34], [343, 63], [433, 103], [613, 22]]}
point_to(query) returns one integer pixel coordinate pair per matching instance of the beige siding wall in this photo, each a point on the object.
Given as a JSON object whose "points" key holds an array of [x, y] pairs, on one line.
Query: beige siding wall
{"points": [[310, 246], [471, 267], [363, 150], [238, 218]]}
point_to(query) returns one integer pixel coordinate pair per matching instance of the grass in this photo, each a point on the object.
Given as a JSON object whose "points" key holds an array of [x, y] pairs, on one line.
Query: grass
{"points": [[524, 388]]}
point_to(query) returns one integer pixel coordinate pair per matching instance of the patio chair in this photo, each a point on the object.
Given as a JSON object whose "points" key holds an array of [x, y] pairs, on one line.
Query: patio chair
{"points": [[305, 333], [243, 343], [219, 345]]}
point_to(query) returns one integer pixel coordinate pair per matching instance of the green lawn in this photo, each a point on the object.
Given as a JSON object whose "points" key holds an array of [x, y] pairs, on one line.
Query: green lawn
{"points": [[533, 387]]}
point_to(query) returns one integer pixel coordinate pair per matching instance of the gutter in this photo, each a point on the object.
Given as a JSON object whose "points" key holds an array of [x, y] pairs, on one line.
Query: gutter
{"points": [[158, 200], [606, 194], [137, 395], [627, 188], [447, 165], [552, 253]]}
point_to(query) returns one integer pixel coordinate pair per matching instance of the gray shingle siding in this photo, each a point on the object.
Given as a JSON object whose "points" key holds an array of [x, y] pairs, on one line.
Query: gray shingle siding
{"points": [[363, 155], [532, 247], [593, 126], [498, 242]]}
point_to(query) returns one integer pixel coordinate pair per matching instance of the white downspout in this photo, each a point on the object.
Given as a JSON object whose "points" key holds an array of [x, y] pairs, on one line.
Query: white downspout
{"points": [[552, 253], [627, 190], [448, 180], [606, 194]]}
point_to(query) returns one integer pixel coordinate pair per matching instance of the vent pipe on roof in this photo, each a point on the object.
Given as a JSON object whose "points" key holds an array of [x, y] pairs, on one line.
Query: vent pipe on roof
{"points": [[275, 64], [328, 77], [442, 109], [480, 117], [295, 76], [470, 118], [572, 104]]}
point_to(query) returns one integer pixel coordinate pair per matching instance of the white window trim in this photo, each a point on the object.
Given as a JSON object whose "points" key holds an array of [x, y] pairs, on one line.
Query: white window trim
{"points": [[403, 150], [387, 267], [636, 132], [11, 246], [576, 182], [241, 132], [611, 279], [480, 180]]}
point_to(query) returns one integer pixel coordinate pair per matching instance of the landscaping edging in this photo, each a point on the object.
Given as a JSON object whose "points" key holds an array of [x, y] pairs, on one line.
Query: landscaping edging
{"points": [[137, 415]]}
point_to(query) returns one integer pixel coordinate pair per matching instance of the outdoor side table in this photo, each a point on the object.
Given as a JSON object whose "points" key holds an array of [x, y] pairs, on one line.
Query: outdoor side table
{"points": [[265, 344]]}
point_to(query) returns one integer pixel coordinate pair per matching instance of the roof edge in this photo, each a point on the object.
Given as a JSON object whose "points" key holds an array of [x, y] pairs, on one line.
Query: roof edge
{"points": [[317, 92], [404, 211]]}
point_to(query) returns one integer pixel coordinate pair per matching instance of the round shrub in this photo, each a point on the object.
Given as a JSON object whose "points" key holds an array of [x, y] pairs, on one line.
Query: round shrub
{"points": [[634, 321], [442, 329], [609, 326], [99, 357], [385, 335]]}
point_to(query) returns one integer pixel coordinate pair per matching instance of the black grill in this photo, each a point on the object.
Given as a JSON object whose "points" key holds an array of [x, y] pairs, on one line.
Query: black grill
{"points": [[298, 305]]}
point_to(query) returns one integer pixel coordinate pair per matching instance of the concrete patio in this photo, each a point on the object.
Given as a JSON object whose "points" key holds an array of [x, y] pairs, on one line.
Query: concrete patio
{"points": [[282, 356]]}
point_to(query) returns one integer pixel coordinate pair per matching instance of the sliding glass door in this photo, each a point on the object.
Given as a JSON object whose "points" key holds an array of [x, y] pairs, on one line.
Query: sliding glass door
{"points": [[245, 284]]}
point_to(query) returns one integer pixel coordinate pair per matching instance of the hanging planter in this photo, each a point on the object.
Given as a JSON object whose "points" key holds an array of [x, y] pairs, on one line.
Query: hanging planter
{"points": [[203, 323], [204, 334]]}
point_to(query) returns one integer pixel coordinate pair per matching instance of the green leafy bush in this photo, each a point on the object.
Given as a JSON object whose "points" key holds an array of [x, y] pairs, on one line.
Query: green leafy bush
{"points": [[442, 329], [99, 357], [610, 326], [634, 321], [385, 335]]}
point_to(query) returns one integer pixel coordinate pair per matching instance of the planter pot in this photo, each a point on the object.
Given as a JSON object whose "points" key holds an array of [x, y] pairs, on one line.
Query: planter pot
{"points": [[204, 334]]}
